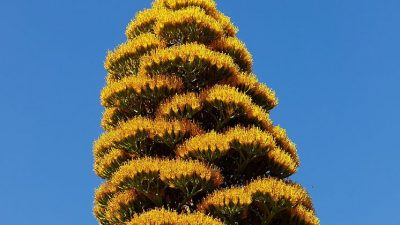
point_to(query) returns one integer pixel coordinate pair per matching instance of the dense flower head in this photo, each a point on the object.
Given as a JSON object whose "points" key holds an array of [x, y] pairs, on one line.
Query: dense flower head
{"points": [[188, 137], [208, 5], [260, 93], [222, 142], [179, 103], [231, 196], [188, 25], [237, 50], [118, 203], [167, 171], [170, 58], [143, 22], [124, 60], [163, 217], [270, 192], [142, 126]]}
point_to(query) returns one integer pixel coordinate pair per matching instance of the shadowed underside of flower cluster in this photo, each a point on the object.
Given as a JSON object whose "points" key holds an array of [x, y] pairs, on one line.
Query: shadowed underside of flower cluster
{"points": [[188, 138]]}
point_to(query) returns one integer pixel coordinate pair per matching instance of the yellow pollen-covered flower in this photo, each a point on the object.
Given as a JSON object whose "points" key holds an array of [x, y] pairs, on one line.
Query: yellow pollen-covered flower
{"points": [[104, 193], [137, 85], [119, 203], [108, 121], [231, 96], [227, 94], [224, 198], [184, 53], [259, 114], [143, 126], [163, 217], [125, 130], [283, 160], [278, 190], [237, 50], [259, 92], [285, 143], [106, 165], [304, 215], [143, 22], [168, 170], [179, 103], [124, 60], [173, 27], [222, 143], [178, 168], [208, 5], [230, 29]]}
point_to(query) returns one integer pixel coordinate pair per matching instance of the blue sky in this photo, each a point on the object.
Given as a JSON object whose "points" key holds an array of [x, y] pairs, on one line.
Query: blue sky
{"points": [[334, 65]]}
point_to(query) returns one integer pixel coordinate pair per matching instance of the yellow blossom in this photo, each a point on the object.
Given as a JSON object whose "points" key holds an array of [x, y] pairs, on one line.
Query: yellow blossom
{"points": [[143, 22], [208, 5], [172, 27], [124, 60], [163, 217], [237, 50]]}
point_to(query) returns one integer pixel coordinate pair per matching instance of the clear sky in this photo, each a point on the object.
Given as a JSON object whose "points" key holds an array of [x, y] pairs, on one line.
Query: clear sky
{"points": [[335, 66]]}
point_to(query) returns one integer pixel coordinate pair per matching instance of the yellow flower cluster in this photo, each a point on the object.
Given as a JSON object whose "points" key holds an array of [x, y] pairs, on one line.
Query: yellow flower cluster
{"points": [[237, 50], [205, 24], [283, 161], [221, 143], [275, 190], [261, 94], [305, 215], [131, 50], [108, 120], [106, 165], [278, 190], [208, 5], [285, 143], [178, 168], [164, 217], [137, 85], [260, 115], [218, 93], [168, 170], [188, 53], [118, 203], [182, 61], [179, 103], [138, 125], [231, 95], [143, 22], [111, 117], [105, 192], [228, 95], [99, 212], [230, 29], [231, 196], [102, 196]]}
